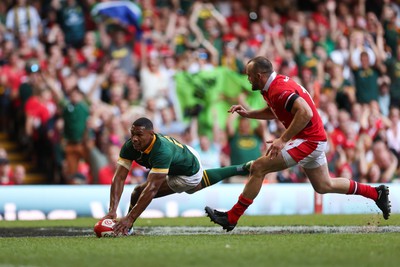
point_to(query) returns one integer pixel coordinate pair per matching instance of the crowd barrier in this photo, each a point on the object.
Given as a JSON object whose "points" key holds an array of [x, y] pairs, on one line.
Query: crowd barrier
{"points": [[40, 202]]}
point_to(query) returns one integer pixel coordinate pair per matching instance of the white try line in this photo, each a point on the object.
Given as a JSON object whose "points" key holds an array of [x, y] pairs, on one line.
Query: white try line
{"points": [[201, 230], [245, 230]]}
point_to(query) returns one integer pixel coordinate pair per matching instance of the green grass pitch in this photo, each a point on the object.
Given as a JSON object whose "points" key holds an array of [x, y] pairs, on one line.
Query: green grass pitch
{"points": [[236, 248]]}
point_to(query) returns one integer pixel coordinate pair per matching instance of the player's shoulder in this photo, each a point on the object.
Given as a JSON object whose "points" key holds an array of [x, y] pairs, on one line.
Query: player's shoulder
{"points": [[283, 83], [127, 149], [161, 145], [127, 145], [282, 79], [280, 84]]}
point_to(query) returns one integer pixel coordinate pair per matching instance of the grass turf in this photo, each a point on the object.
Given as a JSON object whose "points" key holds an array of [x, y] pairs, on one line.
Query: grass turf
{"points": [[210, 250]]}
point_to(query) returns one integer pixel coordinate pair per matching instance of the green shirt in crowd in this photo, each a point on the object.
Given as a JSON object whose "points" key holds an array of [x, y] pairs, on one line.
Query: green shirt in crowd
{"points": [[75, 117], [394, 73], [366, 83], [244, 148]]}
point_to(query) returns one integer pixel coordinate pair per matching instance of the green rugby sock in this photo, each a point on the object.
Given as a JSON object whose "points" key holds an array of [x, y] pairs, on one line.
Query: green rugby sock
{"points": [[213, 176]]}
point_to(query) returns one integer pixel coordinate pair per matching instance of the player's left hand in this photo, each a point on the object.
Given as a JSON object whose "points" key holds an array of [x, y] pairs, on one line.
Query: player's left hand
{"points": [[122, 226]]}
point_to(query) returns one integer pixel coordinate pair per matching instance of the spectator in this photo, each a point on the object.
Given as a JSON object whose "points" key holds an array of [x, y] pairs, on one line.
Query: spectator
{"points": [[338, 136], [19, 174], [39, 110], [366, 80], [5, 169], [72, 20], [393, 132], [208, 148], [91, 51], [372, 122], [230, 58], [23, 18], [169, 125], [5, 172], [384, 94], [75, 114], [118, 47], [245, 143], [151, 70], [87, 82], [106, 172], [339, 89], [340, 56], [307, 59], [178, 33], [390, 20], [385, 161], [393, 65]]}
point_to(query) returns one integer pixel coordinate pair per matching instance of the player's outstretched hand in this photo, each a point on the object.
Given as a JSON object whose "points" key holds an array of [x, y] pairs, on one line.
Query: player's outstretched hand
{"points": [[239, 109]]}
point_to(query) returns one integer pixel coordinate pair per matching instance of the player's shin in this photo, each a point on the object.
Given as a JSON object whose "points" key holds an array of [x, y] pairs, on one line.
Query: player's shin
{"points": [[213, 176]]}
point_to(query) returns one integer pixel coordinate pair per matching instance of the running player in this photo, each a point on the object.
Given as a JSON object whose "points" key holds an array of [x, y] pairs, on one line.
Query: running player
{"points": [[303, 142], [174, 168]]}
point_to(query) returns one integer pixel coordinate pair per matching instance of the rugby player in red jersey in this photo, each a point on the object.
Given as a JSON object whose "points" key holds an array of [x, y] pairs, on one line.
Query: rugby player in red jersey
{"points": [[303, 142]]}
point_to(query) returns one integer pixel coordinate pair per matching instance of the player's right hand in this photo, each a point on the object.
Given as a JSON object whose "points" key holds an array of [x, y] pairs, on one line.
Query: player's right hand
{"points": [[238, 109]]}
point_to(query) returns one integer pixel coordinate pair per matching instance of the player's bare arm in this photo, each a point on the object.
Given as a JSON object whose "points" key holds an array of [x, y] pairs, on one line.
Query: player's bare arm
{"points": [[262, 114], [153, 184], [302, 116], [117, 188], [259, 114]]}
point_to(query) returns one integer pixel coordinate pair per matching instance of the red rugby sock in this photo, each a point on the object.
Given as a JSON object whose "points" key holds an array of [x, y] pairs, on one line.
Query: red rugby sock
{"points": [[238, 209], [363, 190]]}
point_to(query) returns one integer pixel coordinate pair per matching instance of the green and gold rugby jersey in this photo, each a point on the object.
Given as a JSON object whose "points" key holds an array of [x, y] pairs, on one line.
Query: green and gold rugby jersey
{"points": [[164, 155]]}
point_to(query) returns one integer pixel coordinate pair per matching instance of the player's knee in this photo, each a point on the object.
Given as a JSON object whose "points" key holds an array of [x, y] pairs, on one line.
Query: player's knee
{"points": [[257, 169], [194, 190]]}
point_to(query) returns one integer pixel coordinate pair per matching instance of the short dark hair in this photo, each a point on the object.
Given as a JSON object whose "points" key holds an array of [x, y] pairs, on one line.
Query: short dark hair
{"points": [[143, 122], [261, 64]]}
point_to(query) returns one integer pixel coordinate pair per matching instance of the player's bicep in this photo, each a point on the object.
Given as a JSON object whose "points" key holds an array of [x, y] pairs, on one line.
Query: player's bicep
{"points": [[299, 104]]}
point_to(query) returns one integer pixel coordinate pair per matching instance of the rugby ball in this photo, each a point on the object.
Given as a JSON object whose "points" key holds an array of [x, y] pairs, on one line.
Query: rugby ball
{"points": [[104, 228]]}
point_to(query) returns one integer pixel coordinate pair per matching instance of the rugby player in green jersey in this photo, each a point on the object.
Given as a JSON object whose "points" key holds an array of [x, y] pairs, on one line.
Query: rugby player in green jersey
{"points": [[174, 168]]}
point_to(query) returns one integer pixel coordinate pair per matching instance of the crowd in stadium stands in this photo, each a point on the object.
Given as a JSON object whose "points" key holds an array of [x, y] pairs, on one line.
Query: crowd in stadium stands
{"points": [[71, 84]]}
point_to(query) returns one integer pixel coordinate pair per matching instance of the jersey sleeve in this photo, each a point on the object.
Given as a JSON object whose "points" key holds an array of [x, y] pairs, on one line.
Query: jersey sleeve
{"points": [[126, 163], [161, 161], [127, 155], [285, 99]]}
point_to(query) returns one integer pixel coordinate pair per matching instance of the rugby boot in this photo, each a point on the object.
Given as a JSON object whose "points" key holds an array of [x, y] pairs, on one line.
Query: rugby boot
{"points": [[383, 200], [220, 218]]}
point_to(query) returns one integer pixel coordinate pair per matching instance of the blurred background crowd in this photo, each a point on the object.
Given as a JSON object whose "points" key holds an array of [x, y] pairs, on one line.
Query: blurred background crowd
{"points": [[73, 80]]}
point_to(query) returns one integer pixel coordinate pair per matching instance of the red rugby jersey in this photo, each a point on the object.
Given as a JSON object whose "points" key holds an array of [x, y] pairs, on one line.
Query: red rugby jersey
{"points": [[280, 93]]}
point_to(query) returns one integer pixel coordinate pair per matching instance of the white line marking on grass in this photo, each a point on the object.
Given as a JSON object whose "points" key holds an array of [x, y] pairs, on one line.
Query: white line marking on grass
{"points": [[201, 230], [243, 230]]}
